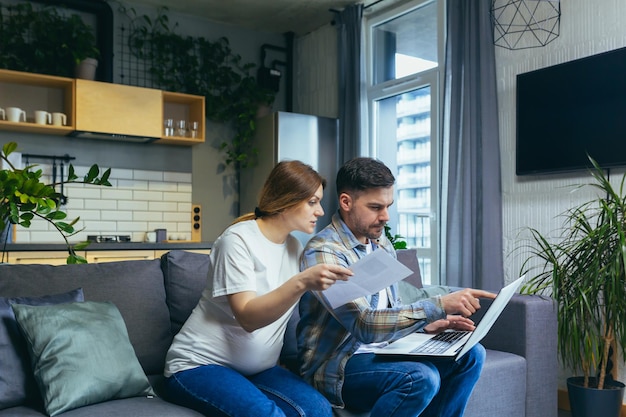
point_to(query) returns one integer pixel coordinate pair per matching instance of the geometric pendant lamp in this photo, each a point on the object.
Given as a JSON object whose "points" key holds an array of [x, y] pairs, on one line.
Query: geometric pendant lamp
{"points": [[521, 24]]}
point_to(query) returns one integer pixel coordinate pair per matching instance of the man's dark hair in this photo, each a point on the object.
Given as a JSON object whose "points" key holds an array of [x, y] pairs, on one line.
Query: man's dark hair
{"points": [[360, 174]]}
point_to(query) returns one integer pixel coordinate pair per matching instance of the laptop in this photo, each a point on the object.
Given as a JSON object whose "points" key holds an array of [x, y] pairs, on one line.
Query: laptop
{"points": [[450, 344]]}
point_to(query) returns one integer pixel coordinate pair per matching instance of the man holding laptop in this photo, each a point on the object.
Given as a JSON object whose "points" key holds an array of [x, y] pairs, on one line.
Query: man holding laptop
{"points": [[335, 346]]}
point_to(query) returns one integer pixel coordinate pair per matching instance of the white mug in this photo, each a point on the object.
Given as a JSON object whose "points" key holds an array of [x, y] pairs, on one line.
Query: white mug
{"points": [[3, 114], [15, 114], [42, 117], [59, 119]]}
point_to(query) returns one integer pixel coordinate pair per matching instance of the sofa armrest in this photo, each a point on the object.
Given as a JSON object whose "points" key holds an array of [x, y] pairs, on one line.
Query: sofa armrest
{"points": [[528, 328]]}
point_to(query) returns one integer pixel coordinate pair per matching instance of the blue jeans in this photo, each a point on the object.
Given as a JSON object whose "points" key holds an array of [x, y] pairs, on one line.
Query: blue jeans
{"points": [[409, 388], [219, 391]]}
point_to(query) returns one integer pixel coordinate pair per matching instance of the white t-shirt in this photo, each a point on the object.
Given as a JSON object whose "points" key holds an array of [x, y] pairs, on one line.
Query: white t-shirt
{"points": [[242, 259]]}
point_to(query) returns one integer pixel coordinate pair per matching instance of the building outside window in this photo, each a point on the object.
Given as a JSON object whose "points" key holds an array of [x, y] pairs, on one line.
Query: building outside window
{"points": [[404, 79]]}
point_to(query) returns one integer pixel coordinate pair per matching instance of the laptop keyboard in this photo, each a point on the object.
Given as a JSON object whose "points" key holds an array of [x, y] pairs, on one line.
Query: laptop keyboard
{"points": [[439, 343]]}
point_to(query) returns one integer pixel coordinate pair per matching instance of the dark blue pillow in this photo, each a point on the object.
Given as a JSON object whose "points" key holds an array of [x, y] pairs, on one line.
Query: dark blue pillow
{"points": [[17, 384]]}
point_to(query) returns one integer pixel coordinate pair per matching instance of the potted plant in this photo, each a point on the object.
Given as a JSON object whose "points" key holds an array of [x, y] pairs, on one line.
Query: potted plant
{"points": [[23, 197], [43, 40], [584, 270]]}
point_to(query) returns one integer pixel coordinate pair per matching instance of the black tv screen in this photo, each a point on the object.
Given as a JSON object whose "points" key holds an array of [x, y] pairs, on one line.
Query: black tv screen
{"points": [[567, 111]]}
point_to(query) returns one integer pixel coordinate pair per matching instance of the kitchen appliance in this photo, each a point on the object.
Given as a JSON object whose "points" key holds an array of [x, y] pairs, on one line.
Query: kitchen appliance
{"points": [[292, 136], [108, 238]]}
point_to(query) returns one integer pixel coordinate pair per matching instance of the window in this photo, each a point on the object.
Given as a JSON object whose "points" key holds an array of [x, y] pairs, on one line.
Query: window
{"points": [[404, 48]]}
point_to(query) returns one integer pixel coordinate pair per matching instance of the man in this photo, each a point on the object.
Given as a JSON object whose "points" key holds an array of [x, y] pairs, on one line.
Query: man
{"points": [[335, 346]]}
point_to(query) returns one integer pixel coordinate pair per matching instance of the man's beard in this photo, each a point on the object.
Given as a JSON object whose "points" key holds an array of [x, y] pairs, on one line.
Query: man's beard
{"points": [[374, 235]]}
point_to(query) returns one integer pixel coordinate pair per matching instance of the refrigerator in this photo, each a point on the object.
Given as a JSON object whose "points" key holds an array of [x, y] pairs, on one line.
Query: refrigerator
{"points": [[292, 136]]}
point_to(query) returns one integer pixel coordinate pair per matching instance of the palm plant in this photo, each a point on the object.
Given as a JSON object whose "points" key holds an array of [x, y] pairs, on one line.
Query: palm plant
{"points": [[24, 197], [584, 271]]}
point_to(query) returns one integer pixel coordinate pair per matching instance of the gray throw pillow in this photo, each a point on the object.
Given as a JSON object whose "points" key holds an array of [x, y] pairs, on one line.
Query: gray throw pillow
{"points": [[80, 354], [17, 385]]}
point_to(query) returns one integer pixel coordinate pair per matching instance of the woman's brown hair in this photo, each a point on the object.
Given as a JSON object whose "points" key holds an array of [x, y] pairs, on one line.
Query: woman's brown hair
{"points": [[288, 184]]}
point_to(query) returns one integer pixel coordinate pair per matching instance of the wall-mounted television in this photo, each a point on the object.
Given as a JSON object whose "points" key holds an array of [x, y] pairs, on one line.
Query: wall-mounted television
{"points": [[567, 111]]}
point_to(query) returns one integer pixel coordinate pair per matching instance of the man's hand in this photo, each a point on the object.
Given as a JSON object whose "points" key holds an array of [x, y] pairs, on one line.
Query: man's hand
{"points": [[453, 322], [464, 302]]}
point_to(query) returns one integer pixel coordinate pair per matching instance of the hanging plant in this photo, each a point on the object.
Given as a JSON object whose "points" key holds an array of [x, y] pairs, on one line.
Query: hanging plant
{"points": [[196, 65]]}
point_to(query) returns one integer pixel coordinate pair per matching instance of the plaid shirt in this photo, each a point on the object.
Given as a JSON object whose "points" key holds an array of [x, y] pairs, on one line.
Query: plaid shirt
{"points": [[328, 338]]}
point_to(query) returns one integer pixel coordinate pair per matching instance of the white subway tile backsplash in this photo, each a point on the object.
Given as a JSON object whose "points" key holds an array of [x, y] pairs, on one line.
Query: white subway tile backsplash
{"points": [[117, 215], [119, 173], [177, 217], [176, 196], [132, 184], [149, 216], [117, 194], [161, 206], [138, 201], [148, 195], [86, 214], [161, 186], [98, 204], [132, 205], [99, 227]]}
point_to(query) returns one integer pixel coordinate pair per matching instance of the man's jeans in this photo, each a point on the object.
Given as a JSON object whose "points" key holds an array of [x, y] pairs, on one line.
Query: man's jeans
{"points": [[410, 388], [219, 391]]}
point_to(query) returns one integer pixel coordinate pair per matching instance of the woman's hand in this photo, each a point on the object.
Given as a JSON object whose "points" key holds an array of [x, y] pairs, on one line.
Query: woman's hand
{"points": [[453, 322], [322, 276]]}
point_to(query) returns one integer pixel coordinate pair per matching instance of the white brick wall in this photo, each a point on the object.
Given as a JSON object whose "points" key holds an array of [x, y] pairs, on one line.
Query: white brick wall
{"points": [[138, 201], [587, 27]]}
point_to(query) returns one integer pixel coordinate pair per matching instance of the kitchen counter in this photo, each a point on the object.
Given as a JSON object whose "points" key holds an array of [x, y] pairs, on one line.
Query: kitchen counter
{"points": [[109, 246]]}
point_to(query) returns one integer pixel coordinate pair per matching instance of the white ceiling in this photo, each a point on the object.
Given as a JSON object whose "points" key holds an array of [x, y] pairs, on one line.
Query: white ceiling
{"points": [[276, 16]]}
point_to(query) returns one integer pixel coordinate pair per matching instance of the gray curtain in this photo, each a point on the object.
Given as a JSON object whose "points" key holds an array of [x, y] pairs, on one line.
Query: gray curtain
{"points": [[472, 252], [350, 81]]}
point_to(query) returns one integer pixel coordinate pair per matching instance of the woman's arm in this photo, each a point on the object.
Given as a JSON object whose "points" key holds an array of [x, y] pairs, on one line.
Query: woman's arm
{"points": [[253, 312]]}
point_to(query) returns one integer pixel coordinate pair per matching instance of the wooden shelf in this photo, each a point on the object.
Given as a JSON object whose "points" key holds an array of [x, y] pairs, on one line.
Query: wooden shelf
{"points": [[32, 92], [31, 127], [93, 106], [178, 106]]}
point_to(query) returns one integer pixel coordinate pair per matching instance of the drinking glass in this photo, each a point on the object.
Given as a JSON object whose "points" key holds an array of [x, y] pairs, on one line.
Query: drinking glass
{"points": [[181, 128], [168, 127], [193, 129]]}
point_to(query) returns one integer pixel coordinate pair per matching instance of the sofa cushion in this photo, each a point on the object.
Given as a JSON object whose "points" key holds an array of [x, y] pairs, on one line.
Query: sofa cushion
{"points": [[135, 287], [17, 385], [80, 354], [185, 276]]}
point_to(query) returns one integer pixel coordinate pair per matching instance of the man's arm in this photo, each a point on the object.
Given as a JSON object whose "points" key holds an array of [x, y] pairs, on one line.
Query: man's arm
{"points": [[366, 323]]}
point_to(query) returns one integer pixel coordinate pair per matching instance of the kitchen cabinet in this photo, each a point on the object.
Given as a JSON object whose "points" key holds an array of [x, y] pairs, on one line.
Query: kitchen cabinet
{"points": [[100, 110], [58, 257], [47, 257], [94, 257], [105, 108], [161, 252]]}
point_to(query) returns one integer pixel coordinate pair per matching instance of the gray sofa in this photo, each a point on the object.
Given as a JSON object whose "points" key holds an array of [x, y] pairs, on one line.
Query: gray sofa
{"points": [[155, 297]]}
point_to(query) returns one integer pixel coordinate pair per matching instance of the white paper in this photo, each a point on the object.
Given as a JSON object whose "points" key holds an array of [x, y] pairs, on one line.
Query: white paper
{"points": [[372, 273]]}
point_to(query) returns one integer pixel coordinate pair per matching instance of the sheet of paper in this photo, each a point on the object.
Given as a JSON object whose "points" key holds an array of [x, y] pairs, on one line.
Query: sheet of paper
{"points": [[372, 273]]}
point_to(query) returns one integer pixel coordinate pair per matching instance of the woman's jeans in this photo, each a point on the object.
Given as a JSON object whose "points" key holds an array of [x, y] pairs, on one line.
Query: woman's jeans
{"points": [[219, 391], [410, 388]]}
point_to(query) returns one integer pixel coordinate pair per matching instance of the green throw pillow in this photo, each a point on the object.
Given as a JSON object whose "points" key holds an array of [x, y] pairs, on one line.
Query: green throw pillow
{"points": [[80, 354]]}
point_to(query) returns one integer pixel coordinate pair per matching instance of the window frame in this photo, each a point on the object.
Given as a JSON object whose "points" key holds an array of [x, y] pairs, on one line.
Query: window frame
{"points": [[374, 92]]}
